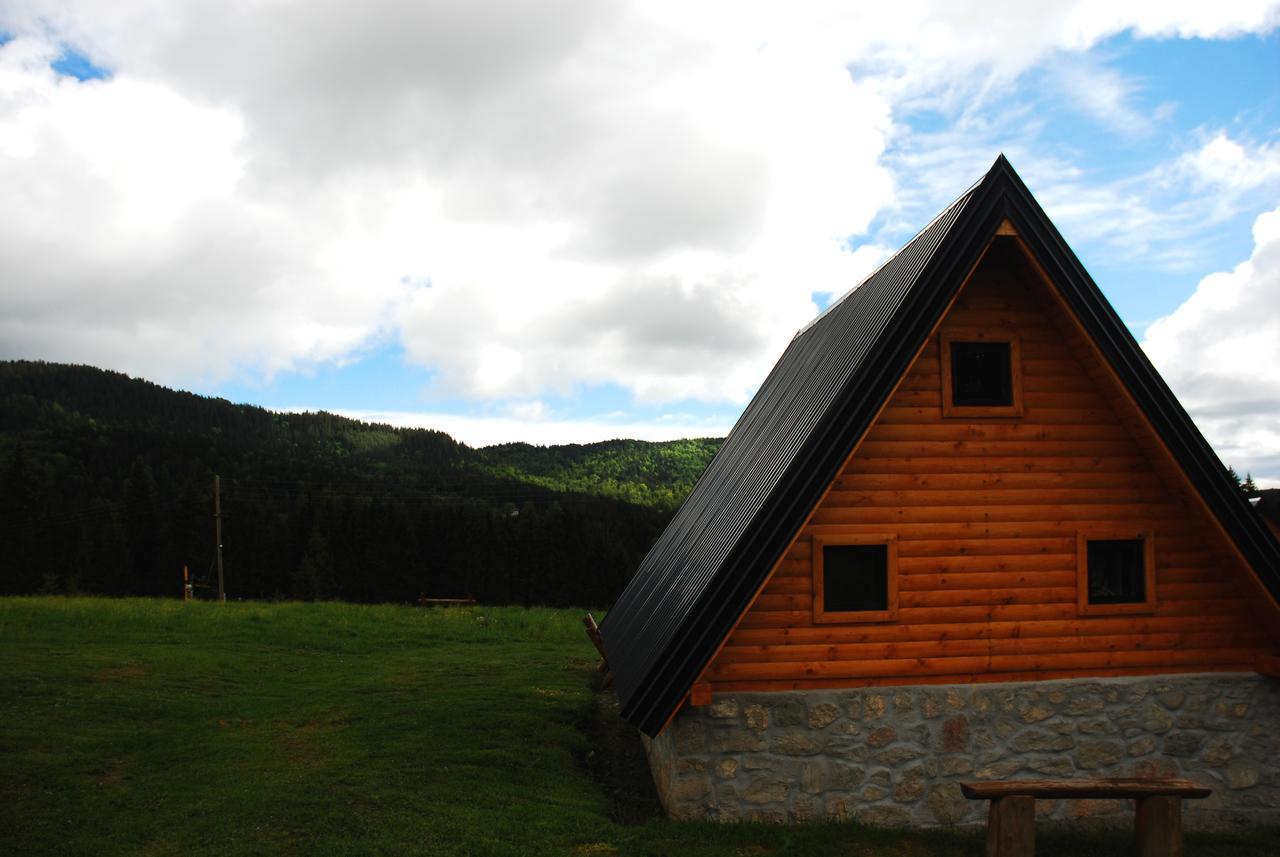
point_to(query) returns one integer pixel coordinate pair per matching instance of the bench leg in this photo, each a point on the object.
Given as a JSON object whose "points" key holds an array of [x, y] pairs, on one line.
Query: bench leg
{"points": [[1011, 827], [1159, 826]]}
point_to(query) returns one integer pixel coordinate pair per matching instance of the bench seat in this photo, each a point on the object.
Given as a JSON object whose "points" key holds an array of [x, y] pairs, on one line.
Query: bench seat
{"points": [[1011, 820]]}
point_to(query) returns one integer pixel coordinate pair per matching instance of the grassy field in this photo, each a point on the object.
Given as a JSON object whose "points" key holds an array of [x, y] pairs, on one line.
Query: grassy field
{"points": [[150, 727]]}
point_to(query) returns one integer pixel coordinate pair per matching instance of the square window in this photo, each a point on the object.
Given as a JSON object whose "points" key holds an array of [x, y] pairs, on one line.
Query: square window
{"points": [[981, 374], [1116, 571], [855, 578]]}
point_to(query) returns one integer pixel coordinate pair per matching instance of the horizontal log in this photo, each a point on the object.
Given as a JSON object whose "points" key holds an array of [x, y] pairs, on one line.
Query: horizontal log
{"points": [[919, 415], [889, 650], [1022, 430], [1082, 397], [1235, 606], [921, 465], [997, 449], [1034, 595], [1103, 660], [987, 564], [960, 548], [1101, 514], [788, 585], [848, 669], [988, 497], [1104, 626], [963, 678], [976, 664], [1018, 319], [981, 480], [790, 602], [1074, 383], [756, 654], [1171, 591], [934, 530], [981, 580]]}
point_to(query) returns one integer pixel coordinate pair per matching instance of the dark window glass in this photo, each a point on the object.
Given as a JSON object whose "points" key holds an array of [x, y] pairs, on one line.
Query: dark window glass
{"points": [[855, 577], [1116, 571], [980, 374]]}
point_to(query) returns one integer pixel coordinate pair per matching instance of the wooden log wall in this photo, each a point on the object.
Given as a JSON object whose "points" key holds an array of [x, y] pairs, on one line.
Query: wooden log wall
{"points": [[986, 513]]}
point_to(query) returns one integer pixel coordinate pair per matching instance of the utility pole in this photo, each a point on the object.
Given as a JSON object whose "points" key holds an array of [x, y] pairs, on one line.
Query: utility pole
{"points": [[217, 529]]}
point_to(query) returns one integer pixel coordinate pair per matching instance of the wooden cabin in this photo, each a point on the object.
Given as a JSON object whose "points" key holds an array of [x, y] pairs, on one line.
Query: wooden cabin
{"points": [[964, 530]]}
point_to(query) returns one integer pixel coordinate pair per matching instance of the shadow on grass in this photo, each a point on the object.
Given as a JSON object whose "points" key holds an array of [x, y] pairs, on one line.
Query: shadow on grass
{"points": [[615, 759]]}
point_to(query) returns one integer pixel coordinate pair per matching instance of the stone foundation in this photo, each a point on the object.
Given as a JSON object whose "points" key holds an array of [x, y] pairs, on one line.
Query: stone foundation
{"points": [[896, 756]]}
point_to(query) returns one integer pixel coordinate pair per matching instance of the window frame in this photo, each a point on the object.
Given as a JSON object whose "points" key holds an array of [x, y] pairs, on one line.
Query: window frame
{"points": [[1148, 538], [821, 615], [953, 335]]}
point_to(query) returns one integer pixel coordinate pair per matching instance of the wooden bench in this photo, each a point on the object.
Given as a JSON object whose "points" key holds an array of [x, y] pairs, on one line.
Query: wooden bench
{"points": [[1011, 822]]}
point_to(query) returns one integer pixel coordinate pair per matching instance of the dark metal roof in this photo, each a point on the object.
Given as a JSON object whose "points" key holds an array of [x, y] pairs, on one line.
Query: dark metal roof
{"points": [[815, 405]]}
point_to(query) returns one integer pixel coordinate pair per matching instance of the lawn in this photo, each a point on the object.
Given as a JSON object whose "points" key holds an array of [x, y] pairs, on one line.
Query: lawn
{"points": [[157, 727]]}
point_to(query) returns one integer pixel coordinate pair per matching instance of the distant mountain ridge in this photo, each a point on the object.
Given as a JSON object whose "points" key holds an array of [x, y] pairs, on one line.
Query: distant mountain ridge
{"points": [[84, 452]]}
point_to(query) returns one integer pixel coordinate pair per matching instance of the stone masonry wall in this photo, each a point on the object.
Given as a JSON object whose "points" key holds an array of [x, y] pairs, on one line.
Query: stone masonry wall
{"points": [[896, 756]]}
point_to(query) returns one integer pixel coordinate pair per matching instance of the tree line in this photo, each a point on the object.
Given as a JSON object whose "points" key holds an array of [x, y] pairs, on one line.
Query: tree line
{"points": [[106, 486]]}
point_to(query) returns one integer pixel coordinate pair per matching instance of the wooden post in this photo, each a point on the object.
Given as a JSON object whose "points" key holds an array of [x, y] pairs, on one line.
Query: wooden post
{"points": [[1011, 827], [186, 585], [1159, 826], [217, 530]]}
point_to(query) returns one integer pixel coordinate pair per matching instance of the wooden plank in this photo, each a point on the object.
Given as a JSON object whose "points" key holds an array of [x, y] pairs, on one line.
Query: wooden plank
{"points": [[700, 694], [1085, 787]]}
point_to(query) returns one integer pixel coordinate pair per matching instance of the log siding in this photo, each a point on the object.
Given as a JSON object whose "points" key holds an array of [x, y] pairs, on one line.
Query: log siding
{"points": [[986, 514]]}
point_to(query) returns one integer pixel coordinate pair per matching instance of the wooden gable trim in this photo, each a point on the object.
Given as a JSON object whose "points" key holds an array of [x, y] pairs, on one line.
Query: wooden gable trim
{"points": [[1135, 418], [701, 678]]}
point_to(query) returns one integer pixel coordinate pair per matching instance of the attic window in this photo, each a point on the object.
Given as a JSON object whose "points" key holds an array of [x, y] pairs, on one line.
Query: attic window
{"points": [[1116, 572], [981, 374], [855, 579]]}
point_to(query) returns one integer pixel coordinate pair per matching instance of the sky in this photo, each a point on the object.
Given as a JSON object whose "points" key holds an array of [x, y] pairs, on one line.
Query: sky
{"points": [[572, 220]]}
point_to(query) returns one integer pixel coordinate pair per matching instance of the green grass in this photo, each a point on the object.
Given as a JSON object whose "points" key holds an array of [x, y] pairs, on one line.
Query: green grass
{"points": [[154, 727]]}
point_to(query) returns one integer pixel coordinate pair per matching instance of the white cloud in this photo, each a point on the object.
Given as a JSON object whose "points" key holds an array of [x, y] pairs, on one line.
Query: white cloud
{"points": [[529, 196], [543, 431], [1220, 353], [1226, 164]]}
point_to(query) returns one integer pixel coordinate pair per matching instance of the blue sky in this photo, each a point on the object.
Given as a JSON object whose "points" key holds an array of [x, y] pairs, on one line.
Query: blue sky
{"points": [[598, 220]]}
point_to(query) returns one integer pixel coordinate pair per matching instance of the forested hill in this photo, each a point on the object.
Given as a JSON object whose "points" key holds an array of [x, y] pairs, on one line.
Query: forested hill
{"points": [[106, 485]]}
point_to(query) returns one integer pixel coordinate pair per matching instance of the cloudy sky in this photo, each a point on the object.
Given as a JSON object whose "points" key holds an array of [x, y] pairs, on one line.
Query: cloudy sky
{"points": [[567, 220]]}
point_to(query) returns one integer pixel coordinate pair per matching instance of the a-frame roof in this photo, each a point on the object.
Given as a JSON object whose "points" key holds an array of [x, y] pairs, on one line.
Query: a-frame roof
{"points": [[815, 405]]}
